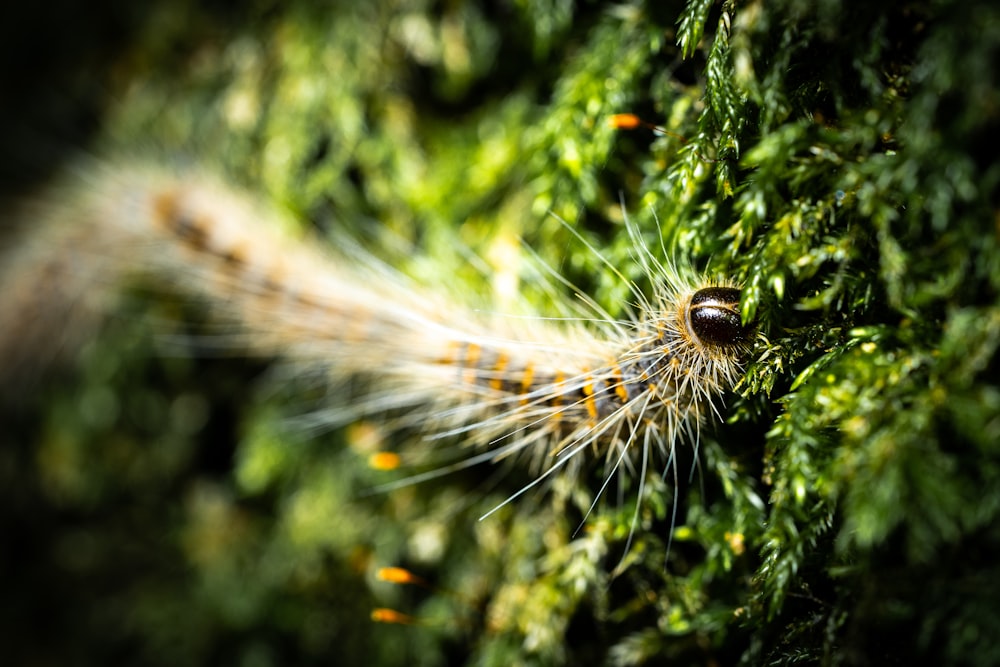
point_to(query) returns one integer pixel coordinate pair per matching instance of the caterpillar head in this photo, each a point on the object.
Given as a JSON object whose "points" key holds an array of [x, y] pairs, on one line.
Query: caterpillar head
{"points": [[714, 317]]}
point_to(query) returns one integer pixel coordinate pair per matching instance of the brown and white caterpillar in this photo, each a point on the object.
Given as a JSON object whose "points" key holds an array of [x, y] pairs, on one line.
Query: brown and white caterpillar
{"points": [[546, 391]]}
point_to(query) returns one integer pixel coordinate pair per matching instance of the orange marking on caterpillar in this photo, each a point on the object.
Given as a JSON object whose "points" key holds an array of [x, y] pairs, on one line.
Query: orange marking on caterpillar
{"points": [[167, 213], [164, 209], [236, 257], [451, 356], [588, 399], [620, 391], [496, 382], [526, 380], [473, 353]]}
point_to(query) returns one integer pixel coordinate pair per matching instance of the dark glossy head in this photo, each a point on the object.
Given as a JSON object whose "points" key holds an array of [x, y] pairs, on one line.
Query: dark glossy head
{"points": [[714, 317]]}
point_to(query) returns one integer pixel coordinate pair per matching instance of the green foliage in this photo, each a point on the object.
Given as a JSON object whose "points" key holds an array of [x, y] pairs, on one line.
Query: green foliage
{"points": [[835, 156]]}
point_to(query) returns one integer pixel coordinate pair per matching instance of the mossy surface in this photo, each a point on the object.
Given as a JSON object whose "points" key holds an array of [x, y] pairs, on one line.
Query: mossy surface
{"points": [[833, 156]]}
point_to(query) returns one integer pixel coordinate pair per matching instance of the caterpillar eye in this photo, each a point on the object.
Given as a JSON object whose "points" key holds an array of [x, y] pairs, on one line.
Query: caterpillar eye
{"points": [[714, 316]]}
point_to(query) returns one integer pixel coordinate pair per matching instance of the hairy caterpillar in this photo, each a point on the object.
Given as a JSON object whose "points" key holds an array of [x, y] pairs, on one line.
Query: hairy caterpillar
{"points": [[539, 390]]}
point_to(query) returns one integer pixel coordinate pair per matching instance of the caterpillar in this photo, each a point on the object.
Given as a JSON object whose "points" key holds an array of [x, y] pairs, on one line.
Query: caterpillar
{"points": [[550, 393]]}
